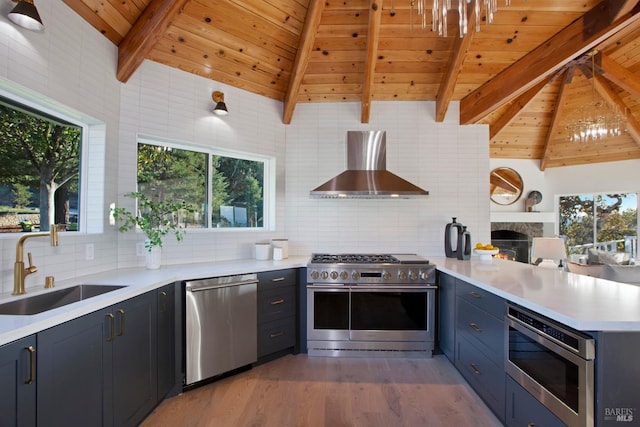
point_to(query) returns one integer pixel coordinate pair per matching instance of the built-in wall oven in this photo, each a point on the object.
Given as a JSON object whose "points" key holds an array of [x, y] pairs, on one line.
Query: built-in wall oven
{"points": [[553, 362], [370, 305]]}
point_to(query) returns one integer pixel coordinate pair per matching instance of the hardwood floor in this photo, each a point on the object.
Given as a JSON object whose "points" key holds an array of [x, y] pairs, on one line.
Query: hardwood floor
{"points": [[322, 391]]}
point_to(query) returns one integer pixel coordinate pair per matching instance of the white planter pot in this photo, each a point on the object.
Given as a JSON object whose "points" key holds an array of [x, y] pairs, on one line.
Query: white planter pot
{"points": [[153, 259]]}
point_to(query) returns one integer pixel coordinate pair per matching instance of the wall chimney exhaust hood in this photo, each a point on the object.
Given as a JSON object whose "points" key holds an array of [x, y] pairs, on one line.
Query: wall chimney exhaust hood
{"points": [[367, 176]]}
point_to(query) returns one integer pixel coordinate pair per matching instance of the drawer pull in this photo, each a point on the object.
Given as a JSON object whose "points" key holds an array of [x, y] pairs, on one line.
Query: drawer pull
{"points": [[276, 334], [32, 364], [531, 425], [277, 301], [475, 369], [277, 279], [475, 294], [475, 327]]}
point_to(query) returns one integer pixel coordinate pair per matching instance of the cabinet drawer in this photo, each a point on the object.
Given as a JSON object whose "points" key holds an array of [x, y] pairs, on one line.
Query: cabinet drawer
{"points": [[487, 332], [276, 279], [481, 298], [275, 336], [525, 410], [276, 304], [486, 378]]}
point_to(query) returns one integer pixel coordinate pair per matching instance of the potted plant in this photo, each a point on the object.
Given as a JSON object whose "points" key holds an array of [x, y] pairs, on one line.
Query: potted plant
{"points": [[156, 218]]}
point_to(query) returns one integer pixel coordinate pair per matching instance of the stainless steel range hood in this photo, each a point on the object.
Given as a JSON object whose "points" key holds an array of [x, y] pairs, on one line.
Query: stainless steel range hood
{"points": [[367, 175]]}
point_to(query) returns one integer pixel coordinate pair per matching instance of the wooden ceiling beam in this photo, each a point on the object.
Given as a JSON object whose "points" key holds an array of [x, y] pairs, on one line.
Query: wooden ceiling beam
{"points": [[605, 90], [448, 84], [619, 75], [307, 39], [373, 37], [145, 33], [577, 38], [555, 120], [515, 108]]}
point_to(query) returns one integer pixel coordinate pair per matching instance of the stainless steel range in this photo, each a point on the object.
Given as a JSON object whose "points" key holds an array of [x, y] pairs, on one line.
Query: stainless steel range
{"points": [[370, 305]]}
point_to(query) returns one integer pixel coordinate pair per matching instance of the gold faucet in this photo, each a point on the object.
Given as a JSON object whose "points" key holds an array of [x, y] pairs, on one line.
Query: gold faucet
{"points": [[20, 272]]}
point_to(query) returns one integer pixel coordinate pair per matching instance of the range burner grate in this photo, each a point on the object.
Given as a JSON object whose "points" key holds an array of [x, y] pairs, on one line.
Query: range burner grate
{"points": [[354, 259]]}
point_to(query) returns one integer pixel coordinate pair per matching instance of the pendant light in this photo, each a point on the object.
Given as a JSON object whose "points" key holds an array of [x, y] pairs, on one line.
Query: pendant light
{"points": [[26, 15]]}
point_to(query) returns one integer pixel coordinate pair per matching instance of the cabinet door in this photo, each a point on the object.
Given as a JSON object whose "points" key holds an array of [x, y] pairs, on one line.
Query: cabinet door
{"points": [[134, 359], [525, 410], [17, 383], [74, 358], [447, 315], [168, 351]]}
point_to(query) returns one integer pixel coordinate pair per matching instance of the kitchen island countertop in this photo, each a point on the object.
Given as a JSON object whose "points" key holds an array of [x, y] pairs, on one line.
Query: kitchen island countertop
{"points": [[582, 302]]}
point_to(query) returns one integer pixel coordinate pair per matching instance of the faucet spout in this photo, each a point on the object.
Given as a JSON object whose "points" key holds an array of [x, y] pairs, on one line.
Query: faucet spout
{"points": [[20, 272]]}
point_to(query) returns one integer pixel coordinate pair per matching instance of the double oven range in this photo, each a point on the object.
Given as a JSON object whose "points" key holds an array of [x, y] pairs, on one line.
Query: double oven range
{"points": [[370, 305]]}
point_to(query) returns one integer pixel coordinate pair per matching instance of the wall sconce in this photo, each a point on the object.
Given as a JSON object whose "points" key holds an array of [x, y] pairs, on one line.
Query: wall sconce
{"points": [[26, 15], [220, 108]]}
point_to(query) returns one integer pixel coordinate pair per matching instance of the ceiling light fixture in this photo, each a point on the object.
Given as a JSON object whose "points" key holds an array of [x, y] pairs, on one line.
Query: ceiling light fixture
{"points": [[220, 108], [26, 15], [598, 120], [441, 8]]}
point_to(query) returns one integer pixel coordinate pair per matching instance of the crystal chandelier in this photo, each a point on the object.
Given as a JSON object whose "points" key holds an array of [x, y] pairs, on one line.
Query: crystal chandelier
{"points": [[598, 120], [440, 9]]}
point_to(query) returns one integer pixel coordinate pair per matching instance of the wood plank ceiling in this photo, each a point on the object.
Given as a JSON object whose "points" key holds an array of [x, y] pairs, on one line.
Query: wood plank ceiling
{"points": [[525, 75]]}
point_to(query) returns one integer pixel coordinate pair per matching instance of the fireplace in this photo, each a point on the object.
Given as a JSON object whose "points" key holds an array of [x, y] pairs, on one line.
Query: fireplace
{"points": [[513, 245]]}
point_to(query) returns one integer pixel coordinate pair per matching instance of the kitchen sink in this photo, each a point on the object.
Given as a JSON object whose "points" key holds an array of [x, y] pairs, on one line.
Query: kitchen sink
{"points": [[50, 300]]}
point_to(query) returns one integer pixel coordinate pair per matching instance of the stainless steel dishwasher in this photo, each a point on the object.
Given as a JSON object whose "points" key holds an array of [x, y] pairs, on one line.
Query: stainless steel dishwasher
{"points": [[221, 325]]}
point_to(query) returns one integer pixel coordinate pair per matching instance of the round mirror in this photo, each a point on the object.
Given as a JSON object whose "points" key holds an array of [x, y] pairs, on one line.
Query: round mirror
{"points": [[505, 186]]}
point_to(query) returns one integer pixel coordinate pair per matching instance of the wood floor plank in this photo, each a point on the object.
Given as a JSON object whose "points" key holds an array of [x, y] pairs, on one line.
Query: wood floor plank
{"points": [[333, 392]]}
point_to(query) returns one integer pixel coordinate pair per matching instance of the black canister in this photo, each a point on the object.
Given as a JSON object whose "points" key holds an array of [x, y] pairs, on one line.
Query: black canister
{"points": [[451, 235], [464, 244]]}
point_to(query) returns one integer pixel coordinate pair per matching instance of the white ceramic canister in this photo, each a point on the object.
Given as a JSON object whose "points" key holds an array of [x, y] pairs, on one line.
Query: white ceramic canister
{"points": [[281, 243], [277, 253], [263, 251]]}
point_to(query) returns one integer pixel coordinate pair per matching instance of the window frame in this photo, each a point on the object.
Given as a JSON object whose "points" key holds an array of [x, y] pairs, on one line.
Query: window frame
{"points": [[268, 185]]}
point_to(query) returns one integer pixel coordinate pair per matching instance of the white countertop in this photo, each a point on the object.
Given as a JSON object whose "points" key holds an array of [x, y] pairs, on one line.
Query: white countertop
{"points": [[581, 302], [137, 281]]}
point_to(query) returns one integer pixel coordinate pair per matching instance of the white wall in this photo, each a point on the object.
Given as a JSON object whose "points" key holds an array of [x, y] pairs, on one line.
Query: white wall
{"points": [[443, 158], [73, 65]]}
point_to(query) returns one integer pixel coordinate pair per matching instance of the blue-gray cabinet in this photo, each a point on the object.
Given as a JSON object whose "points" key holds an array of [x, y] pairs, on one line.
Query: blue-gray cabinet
{"points": [[169, 341], [18, 383], [522, 409], [447, 315], [277, 323], [100, 369]]}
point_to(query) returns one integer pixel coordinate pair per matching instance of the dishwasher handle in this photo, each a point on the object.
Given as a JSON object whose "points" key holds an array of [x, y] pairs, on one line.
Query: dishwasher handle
{"points": [[206, 285]]}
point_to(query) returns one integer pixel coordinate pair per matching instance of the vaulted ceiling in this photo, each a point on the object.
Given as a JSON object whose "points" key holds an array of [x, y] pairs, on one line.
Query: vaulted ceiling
{"points": [[525, 74]]}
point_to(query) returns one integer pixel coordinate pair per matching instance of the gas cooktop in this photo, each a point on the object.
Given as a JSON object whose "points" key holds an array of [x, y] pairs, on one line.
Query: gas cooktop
{"points": [[367, 259]]}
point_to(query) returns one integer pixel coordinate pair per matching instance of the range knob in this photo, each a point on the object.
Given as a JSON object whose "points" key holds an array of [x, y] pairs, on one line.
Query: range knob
{"points": [[413, 275], [355, 276], [386, 275], [334, 275], [315, 275], [402, 275], [424, 275], [324, 275], [344, 275]]}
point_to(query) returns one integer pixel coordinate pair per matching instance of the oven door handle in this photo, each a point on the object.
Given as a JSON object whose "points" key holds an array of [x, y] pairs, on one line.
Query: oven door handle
{"points": [[336, 286], [391, 288]]}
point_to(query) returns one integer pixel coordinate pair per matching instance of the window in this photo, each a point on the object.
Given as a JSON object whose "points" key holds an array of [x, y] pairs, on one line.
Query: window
{"points": [[228, 190], [603, 221], [40, 162]]}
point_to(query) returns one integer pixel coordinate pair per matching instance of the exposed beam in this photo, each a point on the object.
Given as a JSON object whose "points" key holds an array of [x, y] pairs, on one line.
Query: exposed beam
{"points": [[577, 38], [307, 38], [515, 108], [605, 90], [555, 120], [448, 84], [619, 75], [145, 33], [375, 14]]}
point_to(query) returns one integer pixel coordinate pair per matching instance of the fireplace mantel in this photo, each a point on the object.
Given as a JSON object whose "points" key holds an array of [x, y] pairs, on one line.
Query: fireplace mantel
{"points": [[523, 217]]}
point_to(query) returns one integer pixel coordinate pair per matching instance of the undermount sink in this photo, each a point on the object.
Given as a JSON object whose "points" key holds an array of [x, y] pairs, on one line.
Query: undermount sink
{"points": [[50, 300]]}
